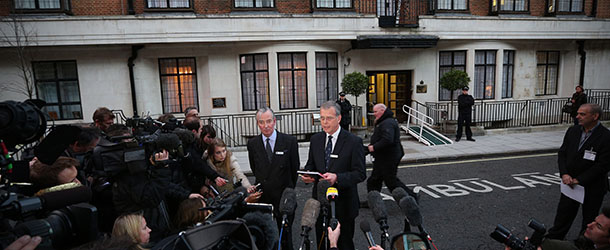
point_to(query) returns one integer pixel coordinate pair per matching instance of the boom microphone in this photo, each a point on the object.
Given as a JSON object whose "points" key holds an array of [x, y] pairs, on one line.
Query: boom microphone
{"points": [[366, 229], [398, 194], [380, 213], [409, 207], [262, 228], [308, 220], [332, 194], [288, 203]]}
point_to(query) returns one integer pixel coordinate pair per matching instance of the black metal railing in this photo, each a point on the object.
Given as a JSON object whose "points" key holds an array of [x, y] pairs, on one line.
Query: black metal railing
{"points": [[516, 113], [394, 13], [601, 97]]}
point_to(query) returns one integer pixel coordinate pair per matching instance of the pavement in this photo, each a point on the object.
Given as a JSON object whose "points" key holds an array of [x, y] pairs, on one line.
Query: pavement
{"points": [[494, 142]]}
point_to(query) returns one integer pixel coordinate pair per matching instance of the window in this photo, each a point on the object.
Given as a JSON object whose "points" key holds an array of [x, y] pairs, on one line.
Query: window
{"points": [[326, 77], [293, 80], [508, 66], [510, 5], [452, 5], [41, 5], [178, 84], [449, 60], [254, 81], [168, 4], [565, 6], [254, 4], [484, 74], [548, 72], [333, 3], [57, 84]]}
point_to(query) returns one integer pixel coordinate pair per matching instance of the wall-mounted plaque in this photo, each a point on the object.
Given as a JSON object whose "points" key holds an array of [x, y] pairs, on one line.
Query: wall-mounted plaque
{"points": [[422, 88], [220, 102]]}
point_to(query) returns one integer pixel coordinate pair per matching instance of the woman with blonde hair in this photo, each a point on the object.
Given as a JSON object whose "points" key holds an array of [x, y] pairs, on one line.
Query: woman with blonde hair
{"points": [[132, 226]]}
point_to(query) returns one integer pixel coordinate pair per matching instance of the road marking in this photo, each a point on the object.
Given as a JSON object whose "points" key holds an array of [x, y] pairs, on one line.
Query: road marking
{"points": [[470, 179], [525, 174], [477, 160]]}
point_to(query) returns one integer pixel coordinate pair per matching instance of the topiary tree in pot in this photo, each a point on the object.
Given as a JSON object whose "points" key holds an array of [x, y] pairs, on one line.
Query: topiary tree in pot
{"points": [[454, 80], [355, 84]]}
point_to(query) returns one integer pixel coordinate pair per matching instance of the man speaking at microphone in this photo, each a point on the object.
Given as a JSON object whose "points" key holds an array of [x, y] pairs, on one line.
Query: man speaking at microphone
{"points": [[339, 157], [274, 160]]}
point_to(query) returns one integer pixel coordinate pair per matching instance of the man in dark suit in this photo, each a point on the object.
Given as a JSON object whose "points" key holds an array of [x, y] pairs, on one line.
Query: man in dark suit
{"points": [[339, 157], [583, 159], [465, 102], [274, 160]]}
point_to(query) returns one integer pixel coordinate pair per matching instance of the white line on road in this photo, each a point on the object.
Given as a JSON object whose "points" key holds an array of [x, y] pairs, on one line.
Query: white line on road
{"points": [[460, 180], [476, 160], [525, 174]]}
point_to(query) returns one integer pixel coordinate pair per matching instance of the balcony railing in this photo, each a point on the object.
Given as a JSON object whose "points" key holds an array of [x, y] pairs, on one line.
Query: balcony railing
{"points": [[394, 13]]}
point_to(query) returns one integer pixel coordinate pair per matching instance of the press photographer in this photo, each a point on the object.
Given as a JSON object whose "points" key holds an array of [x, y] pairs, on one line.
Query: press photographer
{"points": [[596, 236]]}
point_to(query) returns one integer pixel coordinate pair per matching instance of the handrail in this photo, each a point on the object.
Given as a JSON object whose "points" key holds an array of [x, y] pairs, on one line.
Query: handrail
{"points": [[417, 112]]}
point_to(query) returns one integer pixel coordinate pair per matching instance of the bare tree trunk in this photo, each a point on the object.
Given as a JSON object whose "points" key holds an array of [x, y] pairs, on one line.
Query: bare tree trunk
{"points": [[19, 40]]}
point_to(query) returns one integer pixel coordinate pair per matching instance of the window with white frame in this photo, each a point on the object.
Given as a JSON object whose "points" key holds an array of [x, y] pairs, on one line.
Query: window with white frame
{"points": [[254, 4], [254, 81], [331, 4], [178, 84], [484, 74], [452, 5], [548, 72], [450, 60], [292, 69], [326, 77], [168, 4], [508, 67], [57, 85], [37, 4]]}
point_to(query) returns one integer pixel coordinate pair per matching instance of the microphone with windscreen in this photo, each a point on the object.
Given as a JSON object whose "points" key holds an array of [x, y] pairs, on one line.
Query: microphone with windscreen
{"points": [[308, 220], [409, 207], [288, 204], [332, 194], [380, 213], [398, 194], [366, 229]]}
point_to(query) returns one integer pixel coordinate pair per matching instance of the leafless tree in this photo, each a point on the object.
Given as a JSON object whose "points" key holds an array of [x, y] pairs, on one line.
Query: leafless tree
{"points": [[19, 41]]}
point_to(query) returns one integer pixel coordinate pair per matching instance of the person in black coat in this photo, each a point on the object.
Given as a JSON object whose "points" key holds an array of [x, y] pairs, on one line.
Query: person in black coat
{"points": [[274, 160], [465, 102], [578, 98], [387, 150], [338, 156], [346, 108], [583, 159]]}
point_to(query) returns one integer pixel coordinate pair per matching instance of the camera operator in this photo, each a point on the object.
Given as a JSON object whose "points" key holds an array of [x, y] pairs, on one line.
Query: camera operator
{"points": [[596, 236], [103, 118], [81, 149], [197, 168], [62, 171]]}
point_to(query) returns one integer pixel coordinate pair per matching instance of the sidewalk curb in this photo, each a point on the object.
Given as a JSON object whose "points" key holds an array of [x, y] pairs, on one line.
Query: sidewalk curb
{"points": [[475, 156]]}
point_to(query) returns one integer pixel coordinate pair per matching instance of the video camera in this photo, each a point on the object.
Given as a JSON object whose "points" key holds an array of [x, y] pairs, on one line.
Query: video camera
{"points": [[504, 236], [53, 215]]}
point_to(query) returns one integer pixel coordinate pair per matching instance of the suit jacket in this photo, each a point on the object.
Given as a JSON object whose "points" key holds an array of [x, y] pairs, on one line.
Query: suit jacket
{"points": [[280, 173], [590, 174], [349, 167]]}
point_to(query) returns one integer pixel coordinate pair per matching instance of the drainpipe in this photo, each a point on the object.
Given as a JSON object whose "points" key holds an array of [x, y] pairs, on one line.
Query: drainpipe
{"points": [[583, 60], [134, 55]]}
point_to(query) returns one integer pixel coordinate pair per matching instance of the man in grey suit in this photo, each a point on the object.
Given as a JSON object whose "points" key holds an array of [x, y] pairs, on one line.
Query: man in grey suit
{"points": [[274, 160], [338, 156]]}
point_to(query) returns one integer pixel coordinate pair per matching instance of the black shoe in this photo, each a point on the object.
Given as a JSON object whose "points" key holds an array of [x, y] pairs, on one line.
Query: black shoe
{"points": [[471, 139], [458, 139]]}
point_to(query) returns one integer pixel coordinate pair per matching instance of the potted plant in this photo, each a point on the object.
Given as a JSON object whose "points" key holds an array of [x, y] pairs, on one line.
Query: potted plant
{"points": [[356, 84]]}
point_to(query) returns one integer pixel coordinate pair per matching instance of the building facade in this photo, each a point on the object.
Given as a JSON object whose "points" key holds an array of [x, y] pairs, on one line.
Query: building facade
{"points": [[234, 56]]}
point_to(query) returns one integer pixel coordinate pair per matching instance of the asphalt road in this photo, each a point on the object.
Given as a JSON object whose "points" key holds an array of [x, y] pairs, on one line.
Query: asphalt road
{"points": [[461, 202]]}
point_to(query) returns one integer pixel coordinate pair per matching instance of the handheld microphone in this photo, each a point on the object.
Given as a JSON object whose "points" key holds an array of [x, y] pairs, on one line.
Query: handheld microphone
{"points": [[366, 229], [308, 219], [288, 203], [321, 192], [332, 194]]}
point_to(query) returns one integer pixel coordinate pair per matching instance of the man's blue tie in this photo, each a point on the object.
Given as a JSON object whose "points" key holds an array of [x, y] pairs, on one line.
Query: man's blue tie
{"points": [[329, 149]]}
